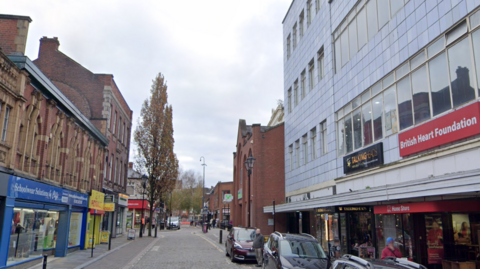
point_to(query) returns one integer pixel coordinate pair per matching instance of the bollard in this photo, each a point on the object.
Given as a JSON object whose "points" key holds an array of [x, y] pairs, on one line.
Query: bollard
{"points": [[156, 226], [220, 237], [45, 261]]}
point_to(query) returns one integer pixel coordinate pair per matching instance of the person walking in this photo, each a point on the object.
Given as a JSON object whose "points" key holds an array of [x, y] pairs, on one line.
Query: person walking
{"points": [[258, 243], [390, 250]]}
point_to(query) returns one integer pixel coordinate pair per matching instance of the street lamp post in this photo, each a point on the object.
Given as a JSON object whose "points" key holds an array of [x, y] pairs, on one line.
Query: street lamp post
{"points": [[203, 191], [249, 165], [144, 186]]}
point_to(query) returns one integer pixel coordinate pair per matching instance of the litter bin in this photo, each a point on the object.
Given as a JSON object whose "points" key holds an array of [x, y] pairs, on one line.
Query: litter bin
{"points": [[205, 227]]}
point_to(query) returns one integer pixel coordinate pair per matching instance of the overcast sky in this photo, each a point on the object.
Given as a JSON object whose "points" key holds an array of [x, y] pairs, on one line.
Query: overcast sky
{"points": [[222, 60]]}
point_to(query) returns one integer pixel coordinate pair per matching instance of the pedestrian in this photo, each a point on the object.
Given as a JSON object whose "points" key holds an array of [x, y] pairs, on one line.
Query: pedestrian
{"points": [[258, 243], [390, 250], [213, 223]]}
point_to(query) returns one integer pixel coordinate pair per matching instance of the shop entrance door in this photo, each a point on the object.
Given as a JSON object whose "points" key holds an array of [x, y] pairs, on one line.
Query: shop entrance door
{"points": [[420, 240]]}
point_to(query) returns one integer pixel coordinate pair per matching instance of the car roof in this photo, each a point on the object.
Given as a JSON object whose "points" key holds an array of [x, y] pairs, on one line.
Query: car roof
{"points": [[298, 237]]}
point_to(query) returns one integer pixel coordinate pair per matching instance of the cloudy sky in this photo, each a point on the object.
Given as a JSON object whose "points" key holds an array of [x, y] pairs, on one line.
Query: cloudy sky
{"points": [[222, 60]]}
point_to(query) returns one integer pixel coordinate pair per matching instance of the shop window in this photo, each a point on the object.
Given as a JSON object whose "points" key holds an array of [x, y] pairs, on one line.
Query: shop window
{"points": [[348, 134], [340, 139], [421, 102], [434, 228], [32, 232], [405, 103], [74, 235], [360, 234], [377, 104], [460, 68], [390, 225], [367, 124], [476, 52], [439, 84], [357, 128]]}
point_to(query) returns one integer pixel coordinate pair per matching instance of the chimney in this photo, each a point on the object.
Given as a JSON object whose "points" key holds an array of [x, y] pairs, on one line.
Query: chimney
{"points": [[130, 165], [13, 33], [48, 45]]}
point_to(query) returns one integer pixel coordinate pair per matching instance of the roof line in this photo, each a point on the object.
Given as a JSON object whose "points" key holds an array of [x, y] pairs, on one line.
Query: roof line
{"points": [[288, 11], [23, 62]]}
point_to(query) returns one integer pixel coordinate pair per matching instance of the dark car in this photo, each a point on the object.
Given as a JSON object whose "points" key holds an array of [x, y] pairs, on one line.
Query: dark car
{"points": [[239, 244], [354, 262], [293, 251]]}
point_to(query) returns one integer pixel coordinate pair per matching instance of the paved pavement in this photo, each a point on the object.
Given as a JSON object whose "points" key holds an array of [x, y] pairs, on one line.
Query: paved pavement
{"points": [[186, 248]]}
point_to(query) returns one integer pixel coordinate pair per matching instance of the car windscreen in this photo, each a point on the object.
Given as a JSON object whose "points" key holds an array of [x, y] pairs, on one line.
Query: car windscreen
{"points": [[173, 219], [244, 234], [302, 249]]}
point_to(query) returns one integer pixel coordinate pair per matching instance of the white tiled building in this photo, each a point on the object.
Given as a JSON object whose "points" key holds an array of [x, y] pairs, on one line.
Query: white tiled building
{"points": [[361, 78]]}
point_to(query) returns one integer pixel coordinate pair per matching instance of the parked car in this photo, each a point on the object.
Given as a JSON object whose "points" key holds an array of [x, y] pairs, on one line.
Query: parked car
{"points": [[354, 262], [173, 223], [239, 244], [293, 251]]}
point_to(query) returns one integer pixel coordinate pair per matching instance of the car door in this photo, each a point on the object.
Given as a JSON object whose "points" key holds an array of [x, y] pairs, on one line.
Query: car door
{"points": [[273, 260], [267, 255]]}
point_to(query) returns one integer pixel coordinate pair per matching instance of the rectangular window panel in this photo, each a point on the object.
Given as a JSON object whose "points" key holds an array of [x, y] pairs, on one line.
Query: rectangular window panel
{"points": [[309, 12], [377, 104], [405, 103], [439, 84], [288, 47], [352, 37], [376, 88], [372, 24], [311, 74], [460, 72], [294, 33], [5, 124], [297, 152], [476, 51], [345, 47], [388, 80], [320, 66], [362, 28], [356, 102], [348, 133], [340, 137], [402, 70], [475, 20], [436, 47], [421, 100], [323, 136], [456, 32], [295, 92], [367, 124], [300, 25], [418, 60], [390, 111], [365, 96], [290, 153], [395, 6], [290, 100], [303, 84], [338, 56], [383, 14], [357, 128], [313, 134], [305, 150]]}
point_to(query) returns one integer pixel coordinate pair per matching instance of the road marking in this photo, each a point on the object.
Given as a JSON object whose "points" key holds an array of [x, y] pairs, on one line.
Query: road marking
{"points": [[213, 244], [155, 248]]}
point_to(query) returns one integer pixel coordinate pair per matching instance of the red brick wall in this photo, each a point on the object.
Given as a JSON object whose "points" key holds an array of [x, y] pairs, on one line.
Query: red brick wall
{"points": [[267, 179], [8, 31]]}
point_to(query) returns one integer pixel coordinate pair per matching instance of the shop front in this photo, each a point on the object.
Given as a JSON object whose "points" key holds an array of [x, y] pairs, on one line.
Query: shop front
{"points": [[39, 219], [433, 233], [121, 213], [96, 210], [134, 215], [346, 230]]}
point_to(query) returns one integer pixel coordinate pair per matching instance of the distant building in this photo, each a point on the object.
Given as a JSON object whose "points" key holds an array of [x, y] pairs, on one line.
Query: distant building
{"points": [[277, 115]]}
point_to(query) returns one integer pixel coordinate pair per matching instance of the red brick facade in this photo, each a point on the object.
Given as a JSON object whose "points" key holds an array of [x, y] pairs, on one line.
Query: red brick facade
{"points": [[99, 99], [216, 200], [266, 145]]}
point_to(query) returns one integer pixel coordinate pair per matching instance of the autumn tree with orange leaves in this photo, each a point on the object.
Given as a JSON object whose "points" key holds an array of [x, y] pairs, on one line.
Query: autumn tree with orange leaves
{"points": [[154, 140]]}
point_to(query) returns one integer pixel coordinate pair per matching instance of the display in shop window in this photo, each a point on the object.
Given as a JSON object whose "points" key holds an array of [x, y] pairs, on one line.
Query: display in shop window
{"points": [[433, 223]]}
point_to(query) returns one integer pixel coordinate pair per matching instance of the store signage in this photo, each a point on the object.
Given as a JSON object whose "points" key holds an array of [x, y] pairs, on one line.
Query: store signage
{"points": [[330, 209], [228, 198], [427, 207], [22, 188], [457, 125], [137, 204], [354, 208], [239, 195], [96, 200], [122, 199], [364, 159], [109, 207]]}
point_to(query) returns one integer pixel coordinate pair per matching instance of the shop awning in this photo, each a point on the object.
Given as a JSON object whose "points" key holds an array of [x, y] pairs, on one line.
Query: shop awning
{"points": [[137, 204], [428, 207]]}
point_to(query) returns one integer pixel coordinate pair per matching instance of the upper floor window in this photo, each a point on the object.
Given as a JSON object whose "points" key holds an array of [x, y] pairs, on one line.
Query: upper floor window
{"points": [[320, 64], [311, 74], [294, 36], [297, 152], [313, 142], [301, 24], [323, 137], [318, 5], [295, 92], [119, 131], [114, 122], [309, 12], [305, 149], [290, 100], [303, 83], [288, 47], [361, 25], [290, 154], [5, 123]]}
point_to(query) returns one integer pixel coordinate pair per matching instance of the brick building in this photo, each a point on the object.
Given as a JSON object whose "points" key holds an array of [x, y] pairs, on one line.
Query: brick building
{"points": [[51, 158], [99, 99], [267, 184], [220, 210]]}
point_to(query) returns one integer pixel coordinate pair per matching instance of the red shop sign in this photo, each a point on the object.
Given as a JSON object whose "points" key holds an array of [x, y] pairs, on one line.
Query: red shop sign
{"points": [[457, 125], [137, 204], [427, 207]]}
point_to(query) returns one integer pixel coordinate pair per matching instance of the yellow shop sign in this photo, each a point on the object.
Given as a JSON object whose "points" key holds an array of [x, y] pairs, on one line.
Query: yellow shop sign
{"points": [[109, 207], [96, 200]]}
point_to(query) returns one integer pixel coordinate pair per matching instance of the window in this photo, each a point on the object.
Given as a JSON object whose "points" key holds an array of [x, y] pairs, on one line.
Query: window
{"points": [[405, 103], [367, 135], [309, 12], [362, 28], [320, 64], [5, 123], [382, 11], [111, 169], [305, 149], [460, 67], [377, 104], [340, 137], [348, 134], [288, 47], [421, 102], [290, 100], [290, 154], [295, 92], [303, 82], [311, 76], [318, 5], [294, 33], [352, 38], [119, 132], [313, 142], [476, 52], [115, 171], [297, 152], [323, 136], [439, 84], [357, 128], [114, 122], [372, 25], [300, 24], [390, 111]]}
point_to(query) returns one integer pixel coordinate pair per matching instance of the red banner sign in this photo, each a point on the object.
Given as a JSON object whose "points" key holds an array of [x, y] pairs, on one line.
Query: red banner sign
{"points": [[426, 207], [137, 204], [457, 125]]}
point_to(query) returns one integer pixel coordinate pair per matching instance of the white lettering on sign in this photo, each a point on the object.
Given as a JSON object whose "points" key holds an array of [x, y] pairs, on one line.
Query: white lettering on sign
{"points": [[399, 208], [52, 195], [454, 127]]}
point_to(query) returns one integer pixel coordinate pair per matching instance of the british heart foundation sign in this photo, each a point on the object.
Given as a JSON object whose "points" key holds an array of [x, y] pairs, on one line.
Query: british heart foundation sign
{"points": [[457, 125]]}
